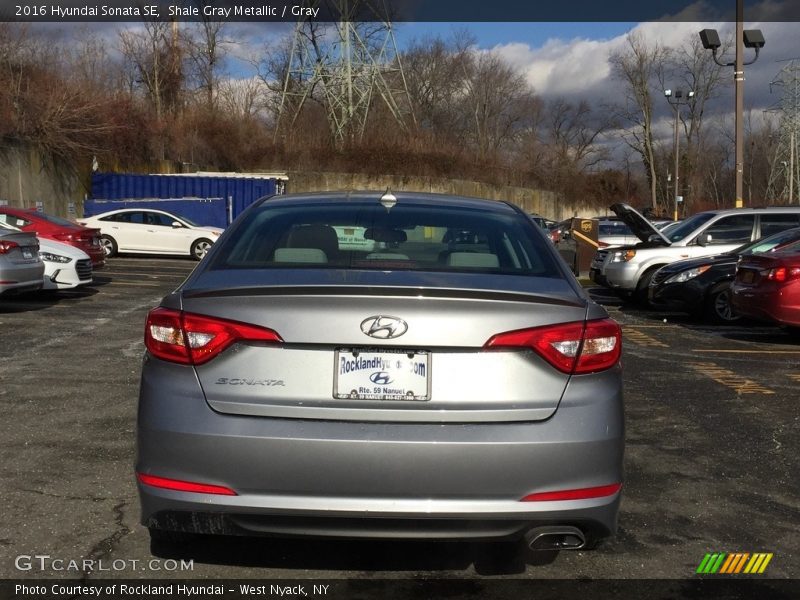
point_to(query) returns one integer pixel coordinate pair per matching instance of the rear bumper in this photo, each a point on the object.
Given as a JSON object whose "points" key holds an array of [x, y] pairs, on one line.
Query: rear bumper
{"points": [[774, 305], [21, 278], [350, 479]]}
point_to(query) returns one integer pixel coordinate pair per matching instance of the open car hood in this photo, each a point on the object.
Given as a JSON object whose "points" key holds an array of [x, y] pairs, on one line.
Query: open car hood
{"points": [[641, 227]]}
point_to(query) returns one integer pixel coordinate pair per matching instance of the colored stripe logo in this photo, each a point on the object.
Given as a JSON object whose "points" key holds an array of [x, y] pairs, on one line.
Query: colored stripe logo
{"points": [[734, 563]]}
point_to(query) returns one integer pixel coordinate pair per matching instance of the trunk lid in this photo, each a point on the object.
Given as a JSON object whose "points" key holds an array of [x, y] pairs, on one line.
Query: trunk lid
{"points": [[328, 355]]}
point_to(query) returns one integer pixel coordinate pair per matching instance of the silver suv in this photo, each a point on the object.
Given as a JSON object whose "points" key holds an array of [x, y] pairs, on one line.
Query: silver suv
{"points": [[628, 269]]}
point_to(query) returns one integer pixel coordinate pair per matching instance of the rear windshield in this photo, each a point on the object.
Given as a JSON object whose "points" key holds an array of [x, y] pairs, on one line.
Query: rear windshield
{"points": [[614, 228], [365, 235]]}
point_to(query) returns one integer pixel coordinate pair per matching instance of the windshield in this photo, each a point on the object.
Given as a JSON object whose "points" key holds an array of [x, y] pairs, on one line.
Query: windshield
{"points": [[783, 240], [365, 236], [688, 226]]}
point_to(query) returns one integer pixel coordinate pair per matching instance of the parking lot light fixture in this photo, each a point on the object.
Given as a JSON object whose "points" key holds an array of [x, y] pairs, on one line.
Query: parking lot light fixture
{"points": [[751, 38], [676, 99]]}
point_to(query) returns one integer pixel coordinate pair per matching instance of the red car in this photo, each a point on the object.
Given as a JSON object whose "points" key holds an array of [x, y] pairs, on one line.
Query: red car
{"points": [[56, 228], [767, 287]]}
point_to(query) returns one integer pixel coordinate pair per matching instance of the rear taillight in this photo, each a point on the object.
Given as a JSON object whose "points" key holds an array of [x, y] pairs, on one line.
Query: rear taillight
{"points": [[602, 245], [7, 246], [186, 338], [577, 347], [64, 237], [783, 274]]}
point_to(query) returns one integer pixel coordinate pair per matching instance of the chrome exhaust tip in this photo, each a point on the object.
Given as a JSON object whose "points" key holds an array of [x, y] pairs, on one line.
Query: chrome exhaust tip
{"points": [[555, 537]]}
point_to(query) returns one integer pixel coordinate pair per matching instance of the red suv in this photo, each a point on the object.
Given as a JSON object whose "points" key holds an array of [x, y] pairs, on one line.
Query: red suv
{"points": [[56, 228]]}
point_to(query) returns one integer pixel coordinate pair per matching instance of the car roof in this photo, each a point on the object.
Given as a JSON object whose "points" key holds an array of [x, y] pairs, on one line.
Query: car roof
{"points": [[413, 198]]}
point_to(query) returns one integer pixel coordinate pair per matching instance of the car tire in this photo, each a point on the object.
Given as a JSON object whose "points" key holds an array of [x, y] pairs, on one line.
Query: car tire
{"points": [[718, 306], [109, 245], [640, 295], [200, 248], [171, 538]]}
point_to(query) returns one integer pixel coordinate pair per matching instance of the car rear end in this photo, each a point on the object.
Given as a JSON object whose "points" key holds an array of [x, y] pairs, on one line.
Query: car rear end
{"points": [[437, 385], [21, 269], [86, 239], [767, 287]]}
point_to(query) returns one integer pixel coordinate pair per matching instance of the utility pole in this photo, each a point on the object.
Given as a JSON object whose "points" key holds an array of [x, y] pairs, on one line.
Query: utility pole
{"points": [[676, 99], [751, 38]]}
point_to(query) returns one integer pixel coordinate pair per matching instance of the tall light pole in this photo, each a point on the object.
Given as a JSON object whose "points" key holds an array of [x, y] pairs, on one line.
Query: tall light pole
{"points": [[751, 38], [676, 99]]}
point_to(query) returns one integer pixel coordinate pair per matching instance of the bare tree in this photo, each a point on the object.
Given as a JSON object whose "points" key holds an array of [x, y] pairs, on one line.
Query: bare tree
{"points": [[207, 49], [153, 57], [638, 66]]}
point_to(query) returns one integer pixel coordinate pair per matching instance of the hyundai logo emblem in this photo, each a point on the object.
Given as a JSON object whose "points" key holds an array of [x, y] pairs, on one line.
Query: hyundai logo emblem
{"points": [[380, 378], [383, 327]]}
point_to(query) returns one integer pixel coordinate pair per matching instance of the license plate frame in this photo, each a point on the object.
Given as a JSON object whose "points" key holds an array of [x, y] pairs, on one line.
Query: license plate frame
{"points": [[382, 374]]}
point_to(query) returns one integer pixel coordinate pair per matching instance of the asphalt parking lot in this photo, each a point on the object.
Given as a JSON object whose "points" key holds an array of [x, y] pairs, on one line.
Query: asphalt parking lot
{"points": [[711, 463]]}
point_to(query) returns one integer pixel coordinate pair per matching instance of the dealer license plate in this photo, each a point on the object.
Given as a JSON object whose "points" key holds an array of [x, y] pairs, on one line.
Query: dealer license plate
{"points": [[368, 375]]}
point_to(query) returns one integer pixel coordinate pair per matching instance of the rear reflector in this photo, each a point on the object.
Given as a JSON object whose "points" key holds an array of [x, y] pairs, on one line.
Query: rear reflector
{"points": [[184, 486], [191, 339], [580, 494], [576, 347]]}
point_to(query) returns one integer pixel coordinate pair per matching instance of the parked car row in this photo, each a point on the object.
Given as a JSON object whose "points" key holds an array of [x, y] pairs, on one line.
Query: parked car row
{"points": [[39, 251], [717, 265]]}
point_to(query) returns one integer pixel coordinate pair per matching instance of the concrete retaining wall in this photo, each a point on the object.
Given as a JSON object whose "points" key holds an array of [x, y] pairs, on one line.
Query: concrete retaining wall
{"points": [[27, 177], [542, 202]]}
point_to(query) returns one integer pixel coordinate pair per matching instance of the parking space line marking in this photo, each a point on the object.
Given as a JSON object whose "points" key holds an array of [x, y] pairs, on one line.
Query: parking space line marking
{"points": [[642, 339], [134, 283], [741, 385], [746, 351]]}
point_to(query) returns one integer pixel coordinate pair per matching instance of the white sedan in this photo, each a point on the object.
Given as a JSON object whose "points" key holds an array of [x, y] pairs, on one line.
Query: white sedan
{"points": [[150, 231], [65, 266]]}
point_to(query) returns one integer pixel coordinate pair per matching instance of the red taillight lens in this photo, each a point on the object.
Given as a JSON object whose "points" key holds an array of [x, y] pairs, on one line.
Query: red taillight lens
{"points": [[580, 494], [602, 245], [7, 246], [782, 274], [188, 338], [64, 237], [184, 486], [570, 347]]}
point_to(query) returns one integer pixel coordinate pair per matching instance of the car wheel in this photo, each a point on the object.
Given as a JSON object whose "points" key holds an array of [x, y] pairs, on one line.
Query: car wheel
{"points": [[640, 295], [109, 245], [200, 248], [718, 304]]}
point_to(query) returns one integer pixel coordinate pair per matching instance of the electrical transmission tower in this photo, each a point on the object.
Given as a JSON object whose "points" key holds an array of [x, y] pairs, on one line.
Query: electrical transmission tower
{"points": [[784, 180], [345, 66]]}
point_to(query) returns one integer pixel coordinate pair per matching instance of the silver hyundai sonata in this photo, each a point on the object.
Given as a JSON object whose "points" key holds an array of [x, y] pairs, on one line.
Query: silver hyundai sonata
{"points": [[383, 366]]}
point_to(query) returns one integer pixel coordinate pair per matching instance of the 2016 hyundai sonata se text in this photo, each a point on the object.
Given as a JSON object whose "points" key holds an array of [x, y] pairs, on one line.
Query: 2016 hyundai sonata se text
{"points": [[367, 365]]}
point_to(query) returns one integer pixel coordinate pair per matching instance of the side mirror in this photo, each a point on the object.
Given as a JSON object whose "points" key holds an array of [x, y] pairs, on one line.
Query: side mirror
{"points": [[654, 238], [177, 225], [704, 239]]}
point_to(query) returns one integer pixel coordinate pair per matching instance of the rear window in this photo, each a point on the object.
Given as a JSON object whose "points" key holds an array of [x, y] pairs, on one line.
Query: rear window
{"points": [[613, 228], [365, 235]]}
